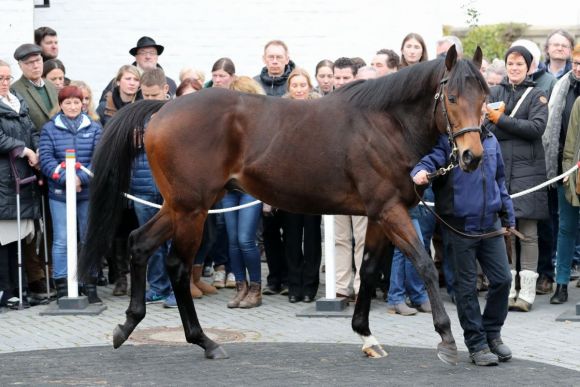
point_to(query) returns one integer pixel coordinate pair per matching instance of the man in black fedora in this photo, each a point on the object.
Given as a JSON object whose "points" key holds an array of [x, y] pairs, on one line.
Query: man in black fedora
{"points": [[146, 53]]}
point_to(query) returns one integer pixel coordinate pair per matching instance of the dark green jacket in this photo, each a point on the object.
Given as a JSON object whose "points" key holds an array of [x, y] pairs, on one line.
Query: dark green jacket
{"points": [[37, 110]]}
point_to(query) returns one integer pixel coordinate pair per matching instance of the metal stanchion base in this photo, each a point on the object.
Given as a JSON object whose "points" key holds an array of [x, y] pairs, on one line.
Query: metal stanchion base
{"points": [[73, 306], [572, 315], [328, 307]]}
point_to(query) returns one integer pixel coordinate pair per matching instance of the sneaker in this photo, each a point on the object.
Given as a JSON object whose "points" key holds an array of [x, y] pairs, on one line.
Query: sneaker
{"points": [[219, 279], [401, 309], [270, 290], [207, 271], [170, 302], [502, 351], [284, 290], [231, 281], [483, 358], [424, 307], [154, 298]]}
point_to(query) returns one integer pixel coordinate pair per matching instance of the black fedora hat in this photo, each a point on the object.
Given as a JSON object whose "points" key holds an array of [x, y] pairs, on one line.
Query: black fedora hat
{"points": [[146, 41]]}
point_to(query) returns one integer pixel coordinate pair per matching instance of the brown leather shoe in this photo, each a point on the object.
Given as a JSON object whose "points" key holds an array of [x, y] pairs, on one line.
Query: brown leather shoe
{"points": [[544, 285], [241, 293], [200, 284], [254, 296]]}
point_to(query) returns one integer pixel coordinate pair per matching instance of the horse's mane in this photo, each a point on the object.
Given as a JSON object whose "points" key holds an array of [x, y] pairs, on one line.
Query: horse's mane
{"points": [[407, 84]]}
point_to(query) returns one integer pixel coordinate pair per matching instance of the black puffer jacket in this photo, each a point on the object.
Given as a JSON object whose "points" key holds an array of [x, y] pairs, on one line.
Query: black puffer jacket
{"points": [[275, 86], [520, 139], [17, 131]]}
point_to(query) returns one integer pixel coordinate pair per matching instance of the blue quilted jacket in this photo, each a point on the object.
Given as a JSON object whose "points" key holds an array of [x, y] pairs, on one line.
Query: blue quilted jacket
{"points": [[55, 139]]}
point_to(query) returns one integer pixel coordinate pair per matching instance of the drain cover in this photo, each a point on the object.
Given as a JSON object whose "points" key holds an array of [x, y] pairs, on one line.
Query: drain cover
{"points": [[175, 335]]}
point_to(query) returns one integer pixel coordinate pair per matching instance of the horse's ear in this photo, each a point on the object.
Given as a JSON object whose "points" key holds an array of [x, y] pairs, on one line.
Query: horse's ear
{"points": [[451, 58], [478, 57]]}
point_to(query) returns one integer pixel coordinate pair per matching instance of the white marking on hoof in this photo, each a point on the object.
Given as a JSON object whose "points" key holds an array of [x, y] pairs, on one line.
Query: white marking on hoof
{"points": [[368, 341]]}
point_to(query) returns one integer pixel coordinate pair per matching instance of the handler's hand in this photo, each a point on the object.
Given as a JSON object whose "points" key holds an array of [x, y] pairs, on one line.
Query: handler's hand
{"points": [[420, 178]]}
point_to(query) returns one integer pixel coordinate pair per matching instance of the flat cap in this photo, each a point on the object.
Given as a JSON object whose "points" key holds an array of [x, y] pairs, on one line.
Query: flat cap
{"points": [[25, 50]]}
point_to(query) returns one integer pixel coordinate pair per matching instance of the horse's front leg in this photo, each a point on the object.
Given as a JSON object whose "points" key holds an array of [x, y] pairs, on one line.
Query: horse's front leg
{"points": [[398, 226], [377, 249], [186, 241], [142, 243]]}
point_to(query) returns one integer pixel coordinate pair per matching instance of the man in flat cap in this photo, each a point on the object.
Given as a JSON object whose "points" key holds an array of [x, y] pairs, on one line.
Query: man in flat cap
{"points": [[146, 53], [41, 98]]}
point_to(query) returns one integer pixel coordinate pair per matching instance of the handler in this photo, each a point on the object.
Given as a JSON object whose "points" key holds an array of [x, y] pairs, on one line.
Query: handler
{"points": [[474, 203]]}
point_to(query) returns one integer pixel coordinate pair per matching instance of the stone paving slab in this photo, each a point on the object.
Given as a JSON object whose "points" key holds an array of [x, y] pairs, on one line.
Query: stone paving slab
{"points": [[534, 336], [263, 364]]}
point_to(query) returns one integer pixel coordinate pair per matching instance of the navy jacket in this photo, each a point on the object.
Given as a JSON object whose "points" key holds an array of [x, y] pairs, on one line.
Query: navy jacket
{"points": [[470, 201], [55, 139]]}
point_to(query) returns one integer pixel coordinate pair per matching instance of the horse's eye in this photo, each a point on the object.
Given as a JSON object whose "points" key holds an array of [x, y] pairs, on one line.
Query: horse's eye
{"points": [[452, 99]]}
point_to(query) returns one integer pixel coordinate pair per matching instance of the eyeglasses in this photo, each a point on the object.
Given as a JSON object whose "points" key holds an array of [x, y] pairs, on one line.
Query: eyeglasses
{"points": [[560, 45], [6, 79], [279, 58], [149, 52]]}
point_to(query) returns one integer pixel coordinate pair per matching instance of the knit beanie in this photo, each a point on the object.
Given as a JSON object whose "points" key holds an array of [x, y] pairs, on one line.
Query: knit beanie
{"points": [[523, 52]]}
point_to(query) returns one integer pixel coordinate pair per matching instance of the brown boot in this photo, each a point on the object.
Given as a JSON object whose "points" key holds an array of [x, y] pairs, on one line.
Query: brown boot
{"points": [[241, 292], [254, 297], [199, 283], [194, 290]]}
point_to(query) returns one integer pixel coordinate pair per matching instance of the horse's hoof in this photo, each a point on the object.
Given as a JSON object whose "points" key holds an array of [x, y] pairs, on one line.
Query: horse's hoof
{"points": [[375, 351], [447, 353], [216, 353], [119, 336]]}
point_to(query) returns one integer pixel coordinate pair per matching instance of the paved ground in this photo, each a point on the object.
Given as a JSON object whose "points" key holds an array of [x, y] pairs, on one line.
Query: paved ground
{"points": [[534, 336], [266, 364]]}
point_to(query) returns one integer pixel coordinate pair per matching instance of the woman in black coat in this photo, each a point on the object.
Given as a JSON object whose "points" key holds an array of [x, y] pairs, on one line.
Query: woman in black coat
{"points": [[519, 130], [17, 135]]}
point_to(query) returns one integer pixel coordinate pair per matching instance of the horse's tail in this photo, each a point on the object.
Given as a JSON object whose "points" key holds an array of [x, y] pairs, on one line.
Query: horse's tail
{"points": [[111, 165]]}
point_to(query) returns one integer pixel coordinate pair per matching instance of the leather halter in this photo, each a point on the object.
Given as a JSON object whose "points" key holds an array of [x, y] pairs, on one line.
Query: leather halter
{"points": [[440, 97]]}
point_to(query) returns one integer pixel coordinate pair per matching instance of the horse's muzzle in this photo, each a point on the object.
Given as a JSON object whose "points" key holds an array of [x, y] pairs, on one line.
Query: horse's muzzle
{"points": [[469, 162]]}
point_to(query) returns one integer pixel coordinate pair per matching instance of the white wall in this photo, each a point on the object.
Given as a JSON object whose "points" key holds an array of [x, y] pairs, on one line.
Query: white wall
{"points": [[16, 27], [95, 35]]}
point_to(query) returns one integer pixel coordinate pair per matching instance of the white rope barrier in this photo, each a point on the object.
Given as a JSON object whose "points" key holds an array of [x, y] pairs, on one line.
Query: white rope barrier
{"points": [[430, 204]]}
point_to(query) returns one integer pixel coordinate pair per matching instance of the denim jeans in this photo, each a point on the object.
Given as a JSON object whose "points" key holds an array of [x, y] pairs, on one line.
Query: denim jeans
{"points": [[215, 240], [157, 276], [405, 279], [241, 226], [566, 237], [59, 237], [491, 253]]}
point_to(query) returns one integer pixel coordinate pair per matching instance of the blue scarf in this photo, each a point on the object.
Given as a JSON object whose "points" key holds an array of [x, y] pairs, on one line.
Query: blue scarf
{"points": [[72, 124]]}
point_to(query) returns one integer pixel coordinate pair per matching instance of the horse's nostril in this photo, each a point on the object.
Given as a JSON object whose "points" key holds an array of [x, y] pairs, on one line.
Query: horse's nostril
{"points": [[467, 157]]}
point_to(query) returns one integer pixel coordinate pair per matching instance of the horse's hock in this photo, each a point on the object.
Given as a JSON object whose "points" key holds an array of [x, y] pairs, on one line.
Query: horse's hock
{"points": [[174, 335]]}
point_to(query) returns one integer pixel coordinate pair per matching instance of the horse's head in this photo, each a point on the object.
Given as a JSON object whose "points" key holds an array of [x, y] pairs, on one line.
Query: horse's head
{"points": [[461, 94]]}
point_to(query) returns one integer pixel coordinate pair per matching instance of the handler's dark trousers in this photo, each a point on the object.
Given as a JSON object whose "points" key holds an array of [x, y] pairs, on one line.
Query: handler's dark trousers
{"points": [[492, 256]]}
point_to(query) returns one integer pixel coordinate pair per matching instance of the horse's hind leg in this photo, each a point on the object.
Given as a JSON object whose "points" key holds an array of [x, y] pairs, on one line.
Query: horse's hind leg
{"points": [[142, 243], [186, 241], [398, 227], [377, 249]]}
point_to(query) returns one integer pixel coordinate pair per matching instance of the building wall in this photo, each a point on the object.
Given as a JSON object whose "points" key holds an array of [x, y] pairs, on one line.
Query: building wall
{"points": [[95, 35], [16, 27]]}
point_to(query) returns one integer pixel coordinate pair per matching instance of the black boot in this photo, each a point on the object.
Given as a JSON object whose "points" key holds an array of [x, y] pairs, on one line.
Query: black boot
{"points": [[121, 267], [561, 295], [61, 288], [90, 290]]}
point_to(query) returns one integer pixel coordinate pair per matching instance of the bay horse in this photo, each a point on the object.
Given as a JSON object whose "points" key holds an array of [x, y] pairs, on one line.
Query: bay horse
{"points": [[347, 153]]}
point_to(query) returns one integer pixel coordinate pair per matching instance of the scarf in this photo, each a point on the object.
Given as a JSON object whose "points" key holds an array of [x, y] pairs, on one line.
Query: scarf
{"points": [[551, 136], [72, 124]]}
